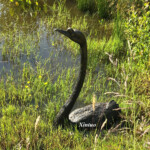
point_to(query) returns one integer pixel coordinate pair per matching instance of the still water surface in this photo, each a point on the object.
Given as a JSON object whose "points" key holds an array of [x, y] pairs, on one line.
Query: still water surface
{"points": [[59, 57], [43, 47]]}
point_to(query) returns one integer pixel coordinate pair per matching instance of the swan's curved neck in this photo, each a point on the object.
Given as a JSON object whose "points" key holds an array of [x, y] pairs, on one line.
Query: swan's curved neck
{"points": [[81, 78], [66, 109]]}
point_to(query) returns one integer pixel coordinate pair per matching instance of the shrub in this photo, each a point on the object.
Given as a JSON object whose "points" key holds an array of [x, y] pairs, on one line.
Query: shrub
{"points": [[137, 29], [87, 5]]}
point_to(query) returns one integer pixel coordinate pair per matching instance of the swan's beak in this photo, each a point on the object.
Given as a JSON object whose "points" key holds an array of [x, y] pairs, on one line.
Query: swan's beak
{"points": [[63, 32]]}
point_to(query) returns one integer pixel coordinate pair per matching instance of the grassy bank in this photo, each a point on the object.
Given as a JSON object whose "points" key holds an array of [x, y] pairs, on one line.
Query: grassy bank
{"points": [[31, 95]]}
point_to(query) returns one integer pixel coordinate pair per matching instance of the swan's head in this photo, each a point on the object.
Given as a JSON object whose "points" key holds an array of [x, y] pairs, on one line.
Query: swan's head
{"points": [[75, 35]]}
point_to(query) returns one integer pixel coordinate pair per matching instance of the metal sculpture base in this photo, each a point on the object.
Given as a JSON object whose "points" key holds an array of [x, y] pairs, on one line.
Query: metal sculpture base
{"points": [[104, 115]]}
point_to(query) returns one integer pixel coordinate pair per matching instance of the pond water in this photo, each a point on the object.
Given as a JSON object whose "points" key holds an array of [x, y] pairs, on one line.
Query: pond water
{"points": [[59, 57], [26, 24]]}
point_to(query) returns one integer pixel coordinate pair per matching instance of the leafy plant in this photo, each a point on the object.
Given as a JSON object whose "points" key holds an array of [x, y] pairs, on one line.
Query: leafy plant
{"points": [[29, 4], [137, 29]]}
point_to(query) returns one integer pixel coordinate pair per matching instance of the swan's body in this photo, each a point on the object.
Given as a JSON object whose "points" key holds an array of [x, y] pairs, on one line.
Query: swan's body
{"points": [[85, 115]]}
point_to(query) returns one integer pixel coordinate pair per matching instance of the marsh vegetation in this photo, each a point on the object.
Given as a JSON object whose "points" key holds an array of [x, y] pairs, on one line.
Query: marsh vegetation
{"points": [[39, 68]]}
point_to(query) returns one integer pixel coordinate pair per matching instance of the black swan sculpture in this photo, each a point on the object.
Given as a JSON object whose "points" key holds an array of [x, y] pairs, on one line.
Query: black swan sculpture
{"points": [[85, 117]]}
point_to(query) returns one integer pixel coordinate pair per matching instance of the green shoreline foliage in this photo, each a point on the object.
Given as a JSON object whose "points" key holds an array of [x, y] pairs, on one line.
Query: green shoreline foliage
{"points": [[137, 32], [35, 88]]}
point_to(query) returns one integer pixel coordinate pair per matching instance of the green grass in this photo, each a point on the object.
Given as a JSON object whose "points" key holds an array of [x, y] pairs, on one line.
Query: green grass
{"points": [[37, 92], [87, 5]]}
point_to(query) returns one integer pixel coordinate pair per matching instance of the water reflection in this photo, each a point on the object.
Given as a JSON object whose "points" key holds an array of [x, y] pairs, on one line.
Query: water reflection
{"points": [[36, 40], [40, 46]]}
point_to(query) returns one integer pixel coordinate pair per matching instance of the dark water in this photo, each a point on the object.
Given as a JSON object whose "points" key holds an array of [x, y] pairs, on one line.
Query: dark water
{"points": [[43, 45], [26, 24], [45, 50]]}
